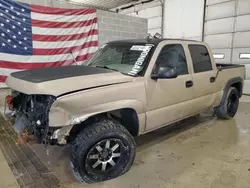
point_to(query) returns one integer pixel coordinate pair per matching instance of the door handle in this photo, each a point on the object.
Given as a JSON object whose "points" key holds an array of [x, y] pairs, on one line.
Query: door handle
{"points": [[189, 83], [212, 79]]}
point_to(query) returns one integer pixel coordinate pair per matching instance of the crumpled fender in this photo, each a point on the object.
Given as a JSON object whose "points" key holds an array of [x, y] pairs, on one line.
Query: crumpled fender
{"points": [[63, 114]]}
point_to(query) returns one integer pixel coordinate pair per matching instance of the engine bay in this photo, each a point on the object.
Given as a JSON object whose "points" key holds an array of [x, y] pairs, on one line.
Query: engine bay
{"points": [[31, 114]]}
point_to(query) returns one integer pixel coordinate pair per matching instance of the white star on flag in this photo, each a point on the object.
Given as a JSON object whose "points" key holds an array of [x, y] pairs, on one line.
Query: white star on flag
{"points": [[3, 44]]}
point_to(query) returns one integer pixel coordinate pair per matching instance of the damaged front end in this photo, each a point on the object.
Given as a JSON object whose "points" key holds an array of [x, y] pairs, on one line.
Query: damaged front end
{"points": [[31, 114]]}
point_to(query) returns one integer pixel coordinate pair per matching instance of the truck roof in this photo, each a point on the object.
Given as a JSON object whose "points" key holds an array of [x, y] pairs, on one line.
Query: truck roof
{"points": [[149, 40]]}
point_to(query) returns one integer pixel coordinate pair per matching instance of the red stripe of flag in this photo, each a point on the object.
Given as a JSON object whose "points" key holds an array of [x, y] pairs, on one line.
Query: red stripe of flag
{"points": [[29, 66], [3, 78], [54, 38], [46, 24], [58, 51], [61, 11]]}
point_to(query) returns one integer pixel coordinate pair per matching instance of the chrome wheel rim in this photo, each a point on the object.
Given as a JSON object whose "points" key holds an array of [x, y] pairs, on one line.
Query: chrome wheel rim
{"points": [[105, 156]]}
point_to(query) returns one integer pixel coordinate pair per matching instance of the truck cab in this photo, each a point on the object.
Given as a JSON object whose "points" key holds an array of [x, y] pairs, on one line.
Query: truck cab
{"points": [[191, 88]]}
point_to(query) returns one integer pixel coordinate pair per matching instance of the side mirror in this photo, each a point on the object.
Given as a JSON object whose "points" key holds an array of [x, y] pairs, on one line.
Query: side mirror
{"points": [[163, 72]]}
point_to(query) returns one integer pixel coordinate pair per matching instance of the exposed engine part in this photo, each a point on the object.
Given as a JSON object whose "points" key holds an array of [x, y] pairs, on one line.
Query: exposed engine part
{"points": [[31, 113]]}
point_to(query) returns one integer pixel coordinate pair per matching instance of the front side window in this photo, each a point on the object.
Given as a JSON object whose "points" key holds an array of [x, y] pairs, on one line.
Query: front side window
{"points": [[127, 58], [173, 56], [200, 57]]}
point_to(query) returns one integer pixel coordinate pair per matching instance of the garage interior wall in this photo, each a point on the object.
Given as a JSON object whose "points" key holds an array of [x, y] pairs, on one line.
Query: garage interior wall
{"points": [[151, 11], [184, 19], [112, 26], [227, 31]]}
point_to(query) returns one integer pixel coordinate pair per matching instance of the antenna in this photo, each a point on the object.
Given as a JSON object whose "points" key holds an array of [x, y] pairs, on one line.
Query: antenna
{"points": [[73, 57]]}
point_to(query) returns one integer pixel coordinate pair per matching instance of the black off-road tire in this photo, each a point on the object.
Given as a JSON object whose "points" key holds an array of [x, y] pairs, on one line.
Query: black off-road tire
{"points": [[229, 106], [86, 142]]}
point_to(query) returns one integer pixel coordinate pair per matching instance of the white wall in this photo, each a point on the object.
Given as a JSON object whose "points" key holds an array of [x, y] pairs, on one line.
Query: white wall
{"points": [[151, 11], [183, 19], [227, 31]]}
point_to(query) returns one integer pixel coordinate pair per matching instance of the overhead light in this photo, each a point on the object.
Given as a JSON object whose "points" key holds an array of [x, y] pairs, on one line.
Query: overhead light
{"points": [[245, 56], [218, 56]]}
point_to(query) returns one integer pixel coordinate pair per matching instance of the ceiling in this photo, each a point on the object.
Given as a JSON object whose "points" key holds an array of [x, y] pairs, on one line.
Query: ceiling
{"points": [[103, 4]]}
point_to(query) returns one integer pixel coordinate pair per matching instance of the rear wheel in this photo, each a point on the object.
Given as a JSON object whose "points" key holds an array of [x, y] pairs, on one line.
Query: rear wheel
{"points": [[229, 106], [103, 151]]}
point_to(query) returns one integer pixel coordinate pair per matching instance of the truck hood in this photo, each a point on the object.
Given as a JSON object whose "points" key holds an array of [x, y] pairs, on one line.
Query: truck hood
{"points": [[57, 81]]}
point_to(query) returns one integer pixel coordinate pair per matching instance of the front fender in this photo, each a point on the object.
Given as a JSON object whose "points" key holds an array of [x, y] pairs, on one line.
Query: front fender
{"points": [[64, 114]]}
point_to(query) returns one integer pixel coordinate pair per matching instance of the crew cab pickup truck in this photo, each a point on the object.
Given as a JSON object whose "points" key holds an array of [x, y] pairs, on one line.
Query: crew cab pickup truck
{"points": [[127, 88]]}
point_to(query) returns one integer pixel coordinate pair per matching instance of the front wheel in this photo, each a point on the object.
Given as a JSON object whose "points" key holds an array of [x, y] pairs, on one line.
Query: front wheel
{"points": [[103, 151], [229, 106]]}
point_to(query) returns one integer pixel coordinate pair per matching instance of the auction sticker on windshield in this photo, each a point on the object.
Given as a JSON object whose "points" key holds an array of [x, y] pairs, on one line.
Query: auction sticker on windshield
{"points": [[139, 63], [138, 48]]}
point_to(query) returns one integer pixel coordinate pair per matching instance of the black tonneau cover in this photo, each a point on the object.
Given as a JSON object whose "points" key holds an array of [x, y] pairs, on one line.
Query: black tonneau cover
{"points": [[55, 73]]}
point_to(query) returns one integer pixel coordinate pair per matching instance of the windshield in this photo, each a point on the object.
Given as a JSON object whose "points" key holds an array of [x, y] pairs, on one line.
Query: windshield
{"points": [[126, 58]]}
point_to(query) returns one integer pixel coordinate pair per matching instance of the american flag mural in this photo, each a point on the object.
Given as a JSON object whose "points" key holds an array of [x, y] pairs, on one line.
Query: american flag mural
{"points": [[34, 36]]}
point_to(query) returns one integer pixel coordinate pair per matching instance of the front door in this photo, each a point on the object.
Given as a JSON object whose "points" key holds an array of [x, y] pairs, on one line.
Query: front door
{"points": [[169, 99]]}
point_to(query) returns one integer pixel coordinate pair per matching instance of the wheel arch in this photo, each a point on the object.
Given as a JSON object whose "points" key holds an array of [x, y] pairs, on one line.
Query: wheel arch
{"points": [[236, 82], [126, 115]]}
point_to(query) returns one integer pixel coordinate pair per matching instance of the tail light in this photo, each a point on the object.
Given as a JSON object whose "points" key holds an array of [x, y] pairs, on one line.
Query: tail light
{"points": [[9, 102]]}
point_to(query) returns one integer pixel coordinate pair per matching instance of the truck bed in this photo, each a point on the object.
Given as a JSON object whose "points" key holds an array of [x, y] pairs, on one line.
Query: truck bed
{"points": [[227, 66]]}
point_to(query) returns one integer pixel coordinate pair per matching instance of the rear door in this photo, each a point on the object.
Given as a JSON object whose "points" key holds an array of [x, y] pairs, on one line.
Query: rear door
{"points": [[204, 76], [168, 99]]}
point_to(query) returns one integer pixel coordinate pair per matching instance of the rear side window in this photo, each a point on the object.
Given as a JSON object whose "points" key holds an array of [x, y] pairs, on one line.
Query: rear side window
{"points": [[173, 55], [200, 57]]}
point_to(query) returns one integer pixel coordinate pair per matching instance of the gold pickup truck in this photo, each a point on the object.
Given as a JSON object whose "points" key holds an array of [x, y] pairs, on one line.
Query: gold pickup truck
{"points": [[127, 88]]}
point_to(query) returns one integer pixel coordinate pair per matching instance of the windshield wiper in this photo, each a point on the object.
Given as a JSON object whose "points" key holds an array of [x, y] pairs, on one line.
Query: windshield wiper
{"points": [[105, 67]]}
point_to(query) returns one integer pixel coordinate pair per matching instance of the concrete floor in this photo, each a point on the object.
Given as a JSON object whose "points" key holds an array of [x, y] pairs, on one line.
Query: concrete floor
{"points": [[199, 152]]}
